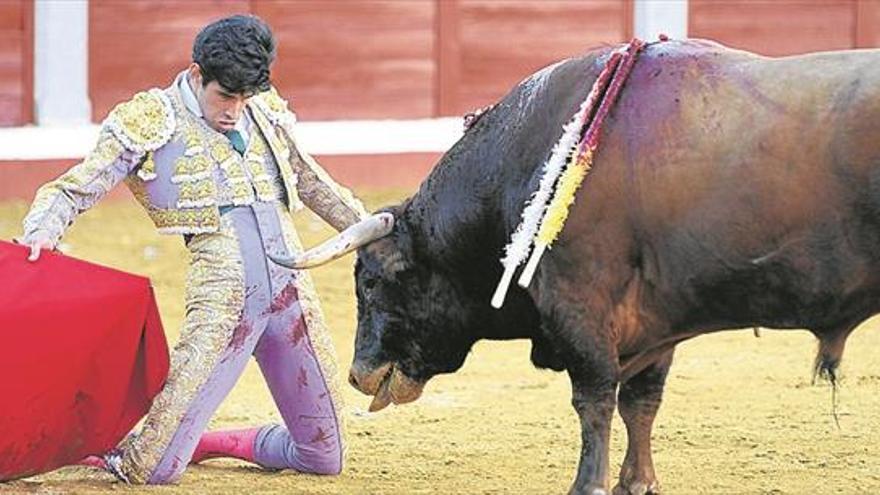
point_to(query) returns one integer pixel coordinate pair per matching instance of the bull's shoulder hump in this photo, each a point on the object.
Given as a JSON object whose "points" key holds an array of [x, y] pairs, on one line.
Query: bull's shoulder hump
{"points": [[695, 49]]}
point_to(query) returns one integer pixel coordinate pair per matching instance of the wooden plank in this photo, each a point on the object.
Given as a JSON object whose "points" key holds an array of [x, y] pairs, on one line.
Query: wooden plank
{"points": [[447, 46], [503, 42], [27, 55], [867, 24], [11, 14], [138, 44], [14, 90], [775, 27], [627, 20], [10, 106], [359, 58], [10, 62], [356, 59]]}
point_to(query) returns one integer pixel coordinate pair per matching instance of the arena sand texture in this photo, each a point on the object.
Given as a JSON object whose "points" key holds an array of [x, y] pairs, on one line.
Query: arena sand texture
{"points": [[740, 414]]}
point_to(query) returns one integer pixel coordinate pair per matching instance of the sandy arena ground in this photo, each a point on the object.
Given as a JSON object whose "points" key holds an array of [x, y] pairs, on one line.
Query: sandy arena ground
{"points": [[740, 414]]}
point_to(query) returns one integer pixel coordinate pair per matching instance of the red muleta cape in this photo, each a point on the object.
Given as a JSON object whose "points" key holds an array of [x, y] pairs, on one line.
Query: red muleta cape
{"points": [[82, 354]]}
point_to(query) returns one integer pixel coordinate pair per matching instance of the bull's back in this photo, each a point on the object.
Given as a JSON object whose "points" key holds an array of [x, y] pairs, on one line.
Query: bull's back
{"points": [[750, 184]]}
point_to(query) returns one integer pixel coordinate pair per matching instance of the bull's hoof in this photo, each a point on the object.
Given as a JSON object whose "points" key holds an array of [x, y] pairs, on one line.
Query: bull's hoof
{"points": [[588, 490], [637, 488]]}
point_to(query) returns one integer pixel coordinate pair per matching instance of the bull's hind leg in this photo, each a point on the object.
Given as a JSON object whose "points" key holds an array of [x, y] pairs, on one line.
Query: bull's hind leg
{"points": [[638, 401]]}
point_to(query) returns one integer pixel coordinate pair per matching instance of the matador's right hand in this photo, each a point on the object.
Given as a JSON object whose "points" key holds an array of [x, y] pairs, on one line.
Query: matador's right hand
{"points": [[37, 242]]}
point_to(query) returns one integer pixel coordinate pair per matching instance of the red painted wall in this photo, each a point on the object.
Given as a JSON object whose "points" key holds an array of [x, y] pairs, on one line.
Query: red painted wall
{"points": [[16, 62], [784, 27], [355, 59], [402, 58], [358, 59], [139, 44], [503, 42]]}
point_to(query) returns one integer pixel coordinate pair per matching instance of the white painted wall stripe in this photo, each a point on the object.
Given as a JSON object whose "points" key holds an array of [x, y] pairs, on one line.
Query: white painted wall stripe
{"points": [[654, 17], [368, 137]]}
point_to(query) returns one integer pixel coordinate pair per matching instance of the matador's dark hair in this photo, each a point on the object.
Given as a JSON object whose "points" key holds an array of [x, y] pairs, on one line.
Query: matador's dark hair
{"points": [[236, 52]]}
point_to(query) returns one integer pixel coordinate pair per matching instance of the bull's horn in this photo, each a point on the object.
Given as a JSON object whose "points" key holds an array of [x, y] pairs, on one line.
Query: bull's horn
{"points": [[359, 234]]}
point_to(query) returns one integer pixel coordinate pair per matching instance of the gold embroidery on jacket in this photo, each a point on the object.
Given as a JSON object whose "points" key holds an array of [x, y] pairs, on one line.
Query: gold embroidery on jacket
{"points": [[275, 108], [144, 123], [331, 201], [257, 162], [147, 170], [233, 170], [193, 165], [191, 169], [197, 193], [281, 153], [195, 220], [242, 180]]}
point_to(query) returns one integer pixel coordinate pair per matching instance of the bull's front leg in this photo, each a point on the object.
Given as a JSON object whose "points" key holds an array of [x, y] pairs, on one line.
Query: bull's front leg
{"points": [[638, 401], [577, 321], [594, 386]]}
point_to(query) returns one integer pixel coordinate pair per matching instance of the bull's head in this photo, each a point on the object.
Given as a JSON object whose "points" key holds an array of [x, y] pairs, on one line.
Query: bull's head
{"points": [[410, 315]]}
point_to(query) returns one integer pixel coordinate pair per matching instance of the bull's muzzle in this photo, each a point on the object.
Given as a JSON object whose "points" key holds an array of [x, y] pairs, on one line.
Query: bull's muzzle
{"points": [[385, 383], [368, 380]]}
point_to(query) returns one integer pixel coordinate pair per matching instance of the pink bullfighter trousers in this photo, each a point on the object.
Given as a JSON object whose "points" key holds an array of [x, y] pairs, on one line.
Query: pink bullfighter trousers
{"points": [[240, 304]]}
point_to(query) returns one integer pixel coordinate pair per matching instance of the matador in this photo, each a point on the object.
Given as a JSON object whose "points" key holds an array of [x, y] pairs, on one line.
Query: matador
{"points": [[213, 157]]}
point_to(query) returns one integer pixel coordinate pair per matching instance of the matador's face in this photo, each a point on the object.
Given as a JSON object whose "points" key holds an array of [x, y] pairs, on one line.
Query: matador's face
{"points": [[221, 108]]}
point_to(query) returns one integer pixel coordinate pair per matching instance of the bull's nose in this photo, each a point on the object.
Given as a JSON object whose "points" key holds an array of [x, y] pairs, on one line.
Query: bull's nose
{"points": [[352, 380], [367, 378], [357, 377]]}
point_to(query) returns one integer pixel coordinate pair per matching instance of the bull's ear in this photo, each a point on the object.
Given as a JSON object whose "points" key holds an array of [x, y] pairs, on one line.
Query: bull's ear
{"points": [[393, 253], [395, 263], [401, 259]]}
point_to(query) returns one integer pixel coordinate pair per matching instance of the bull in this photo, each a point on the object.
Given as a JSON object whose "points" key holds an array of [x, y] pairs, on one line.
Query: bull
{"points": [[730, 191]]}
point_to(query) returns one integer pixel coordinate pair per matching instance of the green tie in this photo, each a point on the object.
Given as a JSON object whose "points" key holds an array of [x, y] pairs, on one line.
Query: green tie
{"points": [[237, 141]]}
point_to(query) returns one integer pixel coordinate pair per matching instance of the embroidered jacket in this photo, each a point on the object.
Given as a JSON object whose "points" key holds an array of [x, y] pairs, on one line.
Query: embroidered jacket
{"points": [[182, 171]]}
